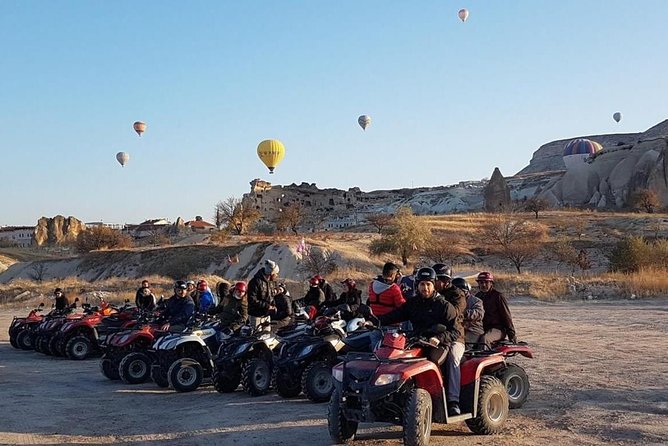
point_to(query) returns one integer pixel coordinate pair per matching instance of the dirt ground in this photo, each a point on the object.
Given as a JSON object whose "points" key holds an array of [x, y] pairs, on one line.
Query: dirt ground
{"points": [[600, 376]]}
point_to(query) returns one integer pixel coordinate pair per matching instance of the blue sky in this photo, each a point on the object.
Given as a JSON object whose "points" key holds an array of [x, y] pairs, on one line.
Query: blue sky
{"points": [[449, 100]]}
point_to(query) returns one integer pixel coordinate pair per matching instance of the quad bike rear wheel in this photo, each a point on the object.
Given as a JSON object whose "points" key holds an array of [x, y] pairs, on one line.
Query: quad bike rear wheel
{"points": [[24, 340], [256, 376], [159, 376], [226, 382], [517, 384], [109, 369], [38, 343], [341, 430], [79, 347], [185, 375], [286, 386], [134, 368], [417, 418], [492, 407], [317, 382], [56, 346]]}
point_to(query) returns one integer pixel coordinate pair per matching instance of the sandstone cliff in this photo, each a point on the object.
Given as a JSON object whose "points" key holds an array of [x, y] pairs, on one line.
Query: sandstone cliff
{"points": [[57, 230], [497, 193]]}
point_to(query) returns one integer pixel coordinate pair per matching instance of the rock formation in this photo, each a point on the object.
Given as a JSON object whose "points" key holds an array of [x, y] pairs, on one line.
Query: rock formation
{"points": [[57, 230], [497, 193]]}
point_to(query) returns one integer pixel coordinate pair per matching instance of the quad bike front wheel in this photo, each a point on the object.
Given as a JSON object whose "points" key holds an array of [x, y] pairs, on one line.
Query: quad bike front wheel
{"points": [[12, 342], [185, 375], [256, 376], [492, 407], [517, 384], [317, 382], [341, 430], [134, 368], [108, 369], [24, 340], [286, 385], [79, 347], [417, 418]]}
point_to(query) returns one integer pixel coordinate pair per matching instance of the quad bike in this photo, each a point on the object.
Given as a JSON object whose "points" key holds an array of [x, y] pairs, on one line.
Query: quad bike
{"points": [[21, 329], [396, 384], [304, 364], [248, 359], [125, 356], [183, 360], [80, 338], [44, 334], [513, 377]]}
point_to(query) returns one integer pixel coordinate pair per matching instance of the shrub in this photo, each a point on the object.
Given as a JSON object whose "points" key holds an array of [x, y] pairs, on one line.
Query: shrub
{"points": [[102, 237]]}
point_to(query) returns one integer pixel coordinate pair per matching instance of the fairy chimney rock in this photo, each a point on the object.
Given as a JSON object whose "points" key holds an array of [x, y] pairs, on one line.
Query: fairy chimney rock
{"points": [[497, 193]]}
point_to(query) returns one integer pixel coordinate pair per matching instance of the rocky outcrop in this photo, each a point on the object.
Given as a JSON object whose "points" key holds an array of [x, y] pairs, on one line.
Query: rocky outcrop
{"points": [[57, 230], [549, 156], [497, 193]]}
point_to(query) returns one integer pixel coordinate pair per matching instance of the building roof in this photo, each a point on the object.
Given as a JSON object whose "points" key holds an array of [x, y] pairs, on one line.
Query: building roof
{"points": [[200, 224]]}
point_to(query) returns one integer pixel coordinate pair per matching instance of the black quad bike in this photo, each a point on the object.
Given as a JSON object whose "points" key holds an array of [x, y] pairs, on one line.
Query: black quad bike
{"points": [[397, 384]]}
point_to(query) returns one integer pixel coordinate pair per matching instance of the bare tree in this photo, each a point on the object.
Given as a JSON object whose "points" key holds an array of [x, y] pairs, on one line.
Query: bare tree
{"points": [[443, 248], [536, 205], [516, 239], [645, 200], [290, 217], [408, 234], [102, 237], [236, 214], [319, 261], [37, 270], [380, 221]]}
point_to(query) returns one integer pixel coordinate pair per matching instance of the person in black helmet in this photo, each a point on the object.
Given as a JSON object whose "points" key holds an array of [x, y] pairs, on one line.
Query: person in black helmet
{"points": [[180, 306], [61, 300], [425, 311]]}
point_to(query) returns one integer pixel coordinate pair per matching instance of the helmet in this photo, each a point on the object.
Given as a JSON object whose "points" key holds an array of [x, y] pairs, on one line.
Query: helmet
{"points": [[223, 289], [57, 290], [350, 283], [485, 277], [461, 283], [442, 270], [190, 282], [202, 285], [314, 281], [425, 274], [318, 277], [355, 324], [321, 322], [180, 284], [240, 287]]}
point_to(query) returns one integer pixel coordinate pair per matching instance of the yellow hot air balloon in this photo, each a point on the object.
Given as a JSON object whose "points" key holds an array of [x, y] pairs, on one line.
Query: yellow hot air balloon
{"points": [[140, 127], [271, 152]]}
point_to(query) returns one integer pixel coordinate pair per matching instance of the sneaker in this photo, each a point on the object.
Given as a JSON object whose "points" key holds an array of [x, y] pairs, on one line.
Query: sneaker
{"points": [[453, 409]]}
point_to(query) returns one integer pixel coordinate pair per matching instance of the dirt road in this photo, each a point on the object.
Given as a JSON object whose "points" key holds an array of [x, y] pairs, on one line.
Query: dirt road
{"points": [[600, 376]]}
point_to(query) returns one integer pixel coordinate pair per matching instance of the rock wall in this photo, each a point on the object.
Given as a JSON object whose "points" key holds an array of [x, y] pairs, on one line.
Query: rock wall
{"points": [[57, 230], [497, 193]]}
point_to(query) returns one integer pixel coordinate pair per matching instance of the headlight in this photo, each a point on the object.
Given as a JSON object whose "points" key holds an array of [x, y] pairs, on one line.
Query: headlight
{"points": [[386, 378], [308, 349], [337, 373]]}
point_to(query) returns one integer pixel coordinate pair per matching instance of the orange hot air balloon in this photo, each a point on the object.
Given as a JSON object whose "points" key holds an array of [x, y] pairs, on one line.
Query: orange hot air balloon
{"points": [[140, 127]]}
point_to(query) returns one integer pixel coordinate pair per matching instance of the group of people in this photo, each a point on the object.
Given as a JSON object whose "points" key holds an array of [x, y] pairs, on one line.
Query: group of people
{"points": [[430, 302]]}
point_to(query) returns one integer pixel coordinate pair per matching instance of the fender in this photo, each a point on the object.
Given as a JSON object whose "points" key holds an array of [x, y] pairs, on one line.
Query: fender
{"points": [[173, 341], [511, 350], [471, 369]]}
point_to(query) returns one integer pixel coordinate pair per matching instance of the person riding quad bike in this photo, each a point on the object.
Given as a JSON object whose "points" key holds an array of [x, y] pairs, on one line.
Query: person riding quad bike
{"points": [[233, 309]]}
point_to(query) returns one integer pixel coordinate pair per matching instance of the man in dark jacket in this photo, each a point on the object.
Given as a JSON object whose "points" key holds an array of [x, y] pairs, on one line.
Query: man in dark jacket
{"points": [[233, 307], [180, 307], [473, 315], [146, 301], [425, 311], [61, 300], [261, 292], [497, 322], [457, 299], [282, 316], [314, 296], [140, 291], [330, 295], [351, 297]]}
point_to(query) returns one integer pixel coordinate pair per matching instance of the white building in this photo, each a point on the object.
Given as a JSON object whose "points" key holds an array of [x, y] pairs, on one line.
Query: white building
{"points": [[20, 236]]}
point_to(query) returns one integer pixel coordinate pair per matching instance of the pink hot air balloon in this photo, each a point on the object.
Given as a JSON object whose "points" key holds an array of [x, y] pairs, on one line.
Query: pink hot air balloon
{"points": [[463, 14]]}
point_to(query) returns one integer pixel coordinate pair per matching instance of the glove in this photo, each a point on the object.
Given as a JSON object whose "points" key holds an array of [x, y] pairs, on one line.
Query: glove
{"points": [[434, 341]]}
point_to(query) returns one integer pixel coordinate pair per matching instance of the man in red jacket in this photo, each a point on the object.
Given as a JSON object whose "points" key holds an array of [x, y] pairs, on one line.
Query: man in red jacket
{"points": [[384, 294]]}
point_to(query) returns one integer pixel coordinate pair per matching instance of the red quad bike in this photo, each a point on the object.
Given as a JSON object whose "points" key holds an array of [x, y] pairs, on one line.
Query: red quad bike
{"points": [[44, 335], [396, 384], [22, 328], [125, 355], [79, 339]]}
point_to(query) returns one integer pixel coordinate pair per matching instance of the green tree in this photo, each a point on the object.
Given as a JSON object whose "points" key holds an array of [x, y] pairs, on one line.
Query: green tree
{"points": [[408, 234]]}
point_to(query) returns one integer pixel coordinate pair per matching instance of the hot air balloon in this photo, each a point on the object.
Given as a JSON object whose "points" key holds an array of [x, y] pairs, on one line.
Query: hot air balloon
{"points": [[140, 127], [617, 116], [463, 14], [364, 121], [122, 158], [577, 151], [271, 152]]}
